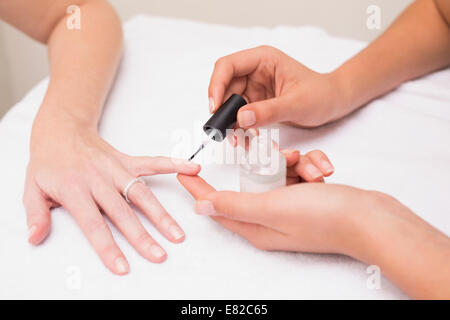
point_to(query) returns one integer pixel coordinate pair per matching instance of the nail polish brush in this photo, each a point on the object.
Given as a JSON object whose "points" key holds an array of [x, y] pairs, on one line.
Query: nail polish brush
{"points": [[223, 119]]}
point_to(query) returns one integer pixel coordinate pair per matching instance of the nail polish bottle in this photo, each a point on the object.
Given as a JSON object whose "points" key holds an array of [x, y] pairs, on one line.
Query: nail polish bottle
{"points": [[262, 167]]}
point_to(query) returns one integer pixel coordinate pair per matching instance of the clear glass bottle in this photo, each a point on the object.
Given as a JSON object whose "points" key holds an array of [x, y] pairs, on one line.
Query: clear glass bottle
{"points": [[263, 166]]}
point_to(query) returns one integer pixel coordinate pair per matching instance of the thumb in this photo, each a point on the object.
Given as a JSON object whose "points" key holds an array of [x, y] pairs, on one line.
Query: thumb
{"points": [[38, 215], [264, 112], [239, 206]]}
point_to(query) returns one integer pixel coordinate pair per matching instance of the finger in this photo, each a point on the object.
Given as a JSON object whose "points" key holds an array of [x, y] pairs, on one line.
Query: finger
{"points": [[292, 157], [38, 214], [195, 185], [232, 139], [321, 161], [292, 176], [83, 208], [240, 206], [291, 172], [147, 166], [145, 200], [124, 218], [307, 170], [227, 68], [292, 180], [237, 85], [259, 236], [243, 138], [264, 112]]}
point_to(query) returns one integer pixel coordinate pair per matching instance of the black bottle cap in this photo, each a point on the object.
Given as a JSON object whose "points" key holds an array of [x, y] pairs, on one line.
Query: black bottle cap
{"points": [[225, 117]]}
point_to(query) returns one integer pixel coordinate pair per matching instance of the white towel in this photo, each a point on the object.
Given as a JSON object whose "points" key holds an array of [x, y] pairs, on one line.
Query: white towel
{"points": [[398, 144]]}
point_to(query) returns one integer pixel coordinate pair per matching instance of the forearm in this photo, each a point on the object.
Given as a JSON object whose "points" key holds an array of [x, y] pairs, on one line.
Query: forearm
{"points": [[417, 43], [82, 65], [410, 252]]}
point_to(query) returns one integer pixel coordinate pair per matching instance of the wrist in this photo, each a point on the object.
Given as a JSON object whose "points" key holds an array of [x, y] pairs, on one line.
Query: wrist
{"points": [[373, 226], [344, 100], [384, 226], [52, 126], [55, 118], [401, 244]]}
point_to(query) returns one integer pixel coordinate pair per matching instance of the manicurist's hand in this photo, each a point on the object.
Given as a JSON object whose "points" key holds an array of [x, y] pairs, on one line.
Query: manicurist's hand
{"points": [[72, 167], [293, 218], [326, 218], [281, 89], [313, 166], [277, 87]]}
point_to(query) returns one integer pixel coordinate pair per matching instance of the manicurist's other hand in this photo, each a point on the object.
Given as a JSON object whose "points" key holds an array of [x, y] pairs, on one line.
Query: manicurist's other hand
{"points": [[72, 167], [294, 218], [326, 218], [277, 87]]}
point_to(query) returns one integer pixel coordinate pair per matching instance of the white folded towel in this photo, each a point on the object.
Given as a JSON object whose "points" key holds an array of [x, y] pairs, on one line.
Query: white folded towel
{"points": [[398, 144]]}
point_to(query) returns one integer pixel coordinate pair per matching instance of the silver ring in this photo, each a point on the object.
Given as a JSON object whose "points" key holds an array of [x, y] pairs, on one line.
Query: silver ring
{"points": [[129, 185]]}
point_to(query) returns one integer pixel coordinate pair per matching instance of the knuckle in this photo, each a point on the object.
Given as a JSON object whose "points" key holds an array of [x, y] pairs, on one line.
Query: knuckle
{"points": [[68, 186], [316, 153], [268, 49], [138, 192], [165, 221], [220, 62], [265, 47], [136, 168], [124, 216], [92, 226], [71, 178], [110, 249], [143, 240], [147, 165], [269, 113], [378, 197]]}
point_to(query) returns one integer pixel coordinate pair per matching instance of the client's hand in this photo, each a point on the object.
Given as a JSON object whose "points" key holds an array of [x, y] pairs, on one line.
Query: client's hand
{"points": [[278, 89], [71, 166]]}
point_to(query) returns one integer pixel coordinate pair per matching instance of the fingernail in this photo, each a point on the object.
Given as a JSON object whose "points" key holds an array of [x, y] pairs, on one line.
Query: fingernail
{"points": [[211, 105], [157, 251], [230, 139], [253, 132], [327, 167], [235, 141], [121, 265], [289, 151], [313, 171], [205, 207], [176, 232], [247, 118], [190, 164], [31, 231]]}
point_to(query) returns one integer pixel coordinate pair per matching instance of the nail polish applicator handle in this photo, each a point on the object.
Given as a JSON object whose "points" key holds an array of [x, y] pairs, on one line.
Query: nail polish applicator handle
{"points": [[224, 118]]}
